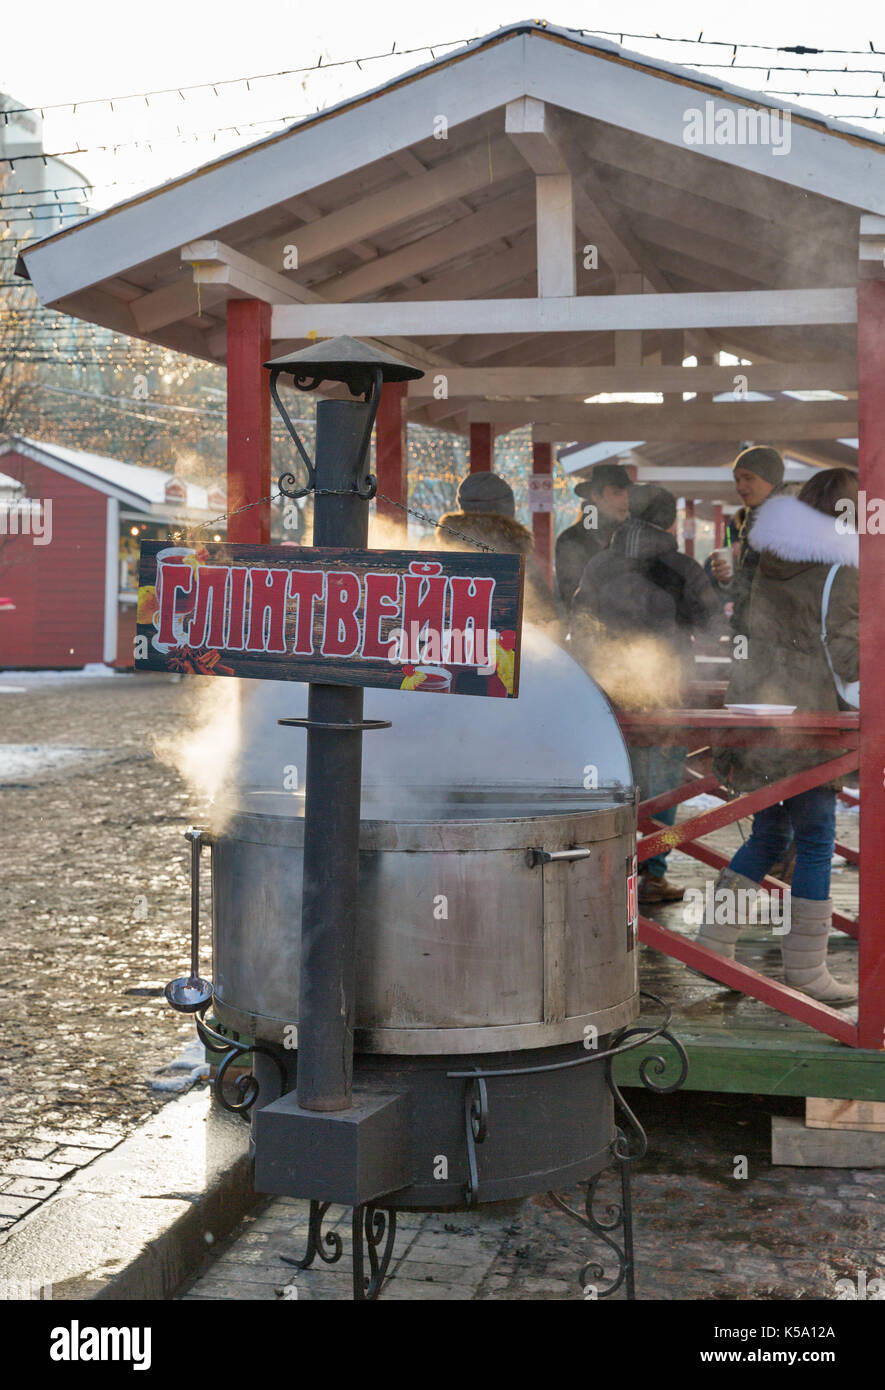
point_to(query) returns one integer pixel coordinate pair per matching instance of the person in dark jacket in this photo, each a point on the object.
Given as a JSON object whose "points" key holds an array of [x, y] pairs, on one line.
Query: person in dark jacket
{"points": [[758, 474], [635, 612], [605, 496], [800, 541]]}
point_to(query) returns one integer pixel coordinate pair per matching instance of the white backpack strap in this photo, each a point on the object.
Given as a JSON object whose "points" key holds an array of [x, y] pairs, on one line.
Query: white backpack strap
{"points": [[850, 694], [824, 605]]}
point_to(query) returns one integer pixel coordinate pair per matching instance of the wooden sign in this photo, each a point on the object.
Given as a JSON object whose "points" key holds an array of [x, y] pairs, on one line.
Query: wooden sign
{"points": [[437, 622]]}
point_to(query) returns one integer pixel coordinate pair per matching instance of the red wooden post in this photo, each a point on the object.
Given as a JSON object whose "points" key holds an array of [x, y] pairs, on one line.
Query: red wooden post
{"points": [[717, 526], [542, 522], [482, 448], [871, 432], [688, 526], [391, 455], [248, 419]]}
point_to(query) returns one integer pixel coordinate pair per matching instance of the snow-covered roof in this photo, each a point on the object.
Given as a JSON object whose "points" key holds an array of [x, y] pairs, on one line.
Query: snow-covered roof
{"points": [[131, 483]]}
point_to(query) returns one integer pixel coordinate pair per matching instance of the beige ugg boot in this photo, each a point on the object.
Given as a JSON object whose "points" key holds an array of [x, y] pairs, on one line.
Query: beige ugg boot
{"points": [[720, 936], [804, 951]]}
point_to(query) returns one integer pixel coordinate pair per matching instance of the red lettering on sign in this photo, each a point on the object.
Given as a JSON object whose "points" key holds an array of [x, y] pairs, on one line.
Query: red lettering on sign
{"points": [[424, 602], [211, 587], [307, 587], [172, 579], [382, 601], [236, 626], [341, 629], [268, 602], [472, 608]]}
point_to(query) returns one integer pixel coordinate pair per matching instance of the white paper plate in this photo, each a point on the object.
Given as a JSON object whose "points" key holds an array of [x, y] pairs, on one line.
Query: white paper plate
{"points": [[761, 709]]}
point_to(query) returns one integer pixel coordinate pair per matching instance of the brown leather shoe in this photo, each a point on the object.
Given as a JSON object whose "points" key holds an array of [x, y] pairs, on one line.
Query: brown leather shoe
{"points": [[659, 890]]}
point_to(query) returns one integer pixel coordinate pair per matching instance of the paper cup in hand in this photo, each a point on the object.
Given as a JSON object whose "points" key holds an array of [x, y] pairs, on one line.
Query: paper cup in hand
{"points": [[723, 567]]}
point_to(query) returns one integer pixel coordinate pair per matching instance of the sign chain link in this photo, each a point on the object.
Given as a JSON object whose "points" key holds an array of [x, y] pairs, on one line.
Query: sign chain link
{"points": [[338, 492]]}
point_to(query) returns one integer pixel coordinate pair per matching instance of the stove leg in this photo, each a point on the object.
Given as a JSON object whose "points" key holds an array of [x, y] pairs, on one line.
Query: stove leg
{"points": [[374, 1233], [316, 1241], [615, 1222], [627, 1213], [378, 1227]]}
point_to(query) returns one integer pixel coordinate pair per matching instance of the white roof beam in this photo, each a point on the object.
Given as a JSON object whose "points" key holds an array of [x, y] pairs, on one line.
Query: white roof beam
{"points": [[483, 164], [871, 264], [478, 276], [528, 125], [581, 314], [517, 382], [617, 414], [503, 218], [208, 257]]}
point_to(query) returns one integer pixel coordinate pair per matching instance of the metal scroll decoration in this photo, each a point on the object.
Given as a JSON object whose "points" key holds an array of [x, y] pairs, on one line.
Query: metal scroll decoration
{"points": [[476, 1127], [374, 1234], [246, 1086], [370, 389]]}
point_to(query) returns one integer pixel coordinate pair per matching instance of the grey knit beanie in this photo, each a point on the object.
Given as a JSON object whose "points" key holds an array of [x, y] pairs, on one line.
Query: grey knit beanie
{"points": [[762, 460], [653, 504], [486, 492]]}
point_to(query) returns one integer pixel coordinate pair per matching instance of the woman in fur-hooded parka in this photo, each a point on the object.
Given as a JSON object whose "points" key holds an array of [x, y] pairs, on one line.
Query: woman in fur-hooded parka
{"points": [[785, 662], [800, 539]]}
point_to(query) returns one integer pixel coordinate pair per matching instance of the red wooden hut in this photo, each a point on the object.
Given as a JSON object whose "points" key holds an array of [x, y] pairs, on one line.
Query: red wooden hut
{"points": [[68, 543]]}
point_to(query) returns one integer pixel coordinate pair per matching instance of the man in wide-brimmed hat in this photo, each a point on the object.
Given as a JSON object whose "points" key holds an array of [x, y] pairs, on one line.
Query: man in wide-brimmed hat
{"points": [[605, 497]]}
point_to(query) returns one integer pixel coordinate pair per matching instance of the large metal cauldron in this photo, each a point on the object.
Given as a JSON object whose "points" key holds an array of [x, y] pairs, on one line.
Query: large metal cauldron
{"points": [[467, 939], [493, 926]]}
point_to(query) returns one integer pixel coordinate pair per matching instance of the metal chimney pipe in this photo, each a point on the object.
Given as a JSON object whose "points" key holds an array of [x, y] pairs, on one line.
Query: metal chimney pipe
{"points": [[332, 799]]}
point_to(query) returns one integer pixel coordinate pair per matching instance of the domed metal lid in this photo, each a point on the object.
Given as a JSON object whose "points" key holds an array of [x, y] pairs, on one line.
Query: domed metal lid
{"points": [[342, 359]]}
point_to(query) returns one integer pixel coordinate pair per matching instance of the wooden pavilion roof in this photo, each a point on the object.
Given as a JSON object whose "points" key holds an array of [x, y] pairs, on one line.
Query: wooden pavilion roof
{"points": [[467, 254]]}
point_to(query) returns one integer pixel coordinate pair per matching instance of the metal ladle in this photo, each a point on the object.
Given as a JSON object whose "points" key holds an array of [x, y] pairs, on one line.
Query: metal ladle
{"points": [[189, 993]]}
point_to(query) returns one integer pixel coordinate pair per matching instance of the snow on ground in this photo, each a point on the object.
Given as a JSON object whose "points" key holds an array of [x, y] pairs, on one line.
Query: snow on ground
{"points": [[14, 682], [21, 761]]}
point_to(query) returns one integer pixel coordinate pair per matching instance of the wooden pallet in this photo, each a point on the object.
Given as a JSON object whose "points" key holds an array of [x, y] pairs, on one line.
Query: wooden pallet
{"points": [[793, 1143], [827, 1113]]}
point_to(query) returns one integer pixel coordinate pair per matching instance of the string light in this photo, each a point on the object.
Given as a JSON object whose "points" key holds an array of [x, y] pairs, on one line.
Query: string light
{"points": [[230, 81]]}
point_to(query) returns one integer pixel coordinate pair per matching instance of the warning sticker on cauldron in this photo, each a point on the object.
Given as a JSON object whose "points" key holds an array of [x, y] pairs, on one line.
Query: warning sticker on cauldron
{"points": [[441, 623]]}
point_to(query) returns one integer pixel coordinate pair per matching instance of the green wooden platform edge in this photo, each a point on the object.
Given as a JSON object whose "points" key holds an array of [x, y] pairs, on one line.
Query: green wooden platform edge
{"points": [[763, 1064]]}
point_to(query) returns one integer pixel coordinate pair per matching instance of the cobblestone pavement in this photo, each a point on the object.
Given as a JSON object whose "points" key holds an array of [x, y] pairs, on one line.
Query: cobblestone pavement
{"points": [[701, 1232], [93, 921]]}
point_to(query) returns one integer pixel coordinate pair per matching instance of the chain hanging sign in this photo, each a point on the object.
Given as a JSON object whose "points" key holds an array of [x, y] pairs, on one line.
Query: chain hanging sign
{"points": [[437, 622]]}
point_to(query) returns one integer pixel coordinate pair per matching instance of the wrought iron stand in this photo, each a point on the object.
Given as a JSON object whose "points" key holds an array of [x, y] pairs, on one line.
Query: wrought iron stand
{"points": [[616, 1218], [374, 1227]]}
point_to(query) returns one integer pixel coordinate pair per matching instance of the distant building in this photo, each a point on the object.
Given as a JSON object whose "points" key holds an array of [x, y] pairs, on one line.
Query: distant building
{"points": [[70, 528], [41, 193]]}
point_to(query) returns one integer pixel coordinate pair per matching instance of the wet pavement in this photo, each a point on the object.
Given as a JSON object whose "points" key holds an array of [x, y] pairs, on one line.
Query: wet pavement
{"points": [[93, 917]]}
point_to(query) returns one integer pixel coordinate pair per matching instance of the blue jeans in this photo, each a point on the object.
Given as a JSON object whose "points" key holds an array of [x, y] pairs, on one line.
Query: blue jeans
{"points": [[657, 770], [809, 819]]}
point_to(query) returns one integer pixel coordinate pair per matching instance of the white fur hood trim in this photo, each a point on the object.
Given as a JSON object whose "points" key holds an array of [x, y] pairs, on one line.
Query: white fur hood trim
{"points": [[794, 531]]}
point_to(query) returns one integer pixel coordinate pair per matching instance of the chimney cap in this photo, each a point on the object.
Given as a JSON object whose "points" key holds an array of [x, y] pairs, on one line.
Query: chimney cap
{"points": [[342, 359]]}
